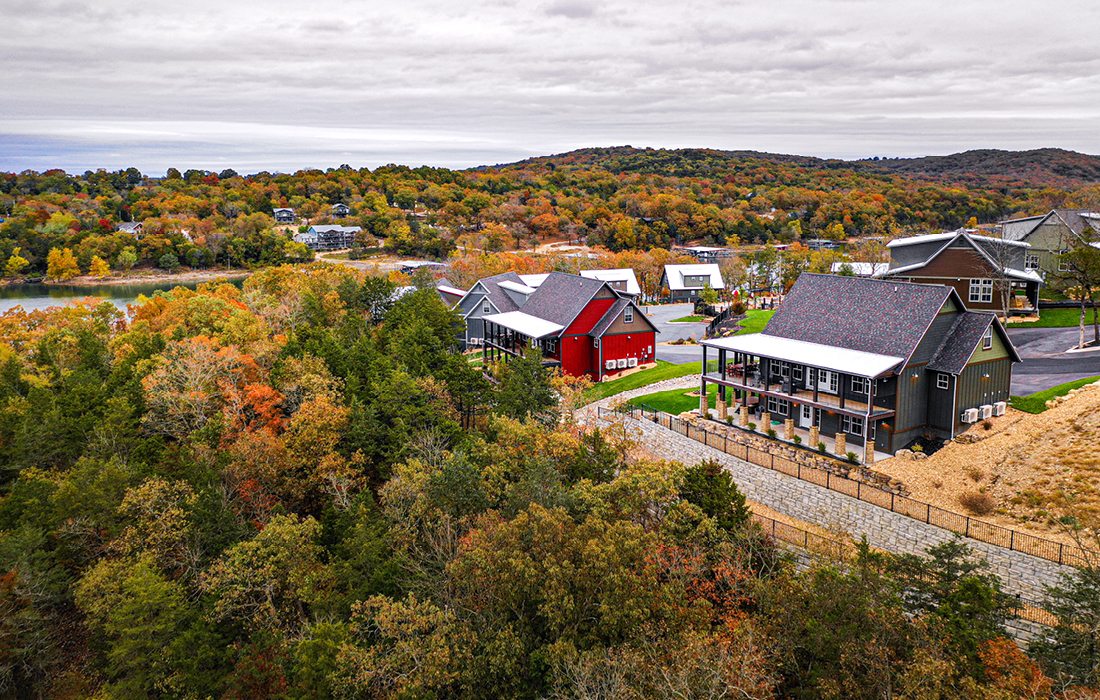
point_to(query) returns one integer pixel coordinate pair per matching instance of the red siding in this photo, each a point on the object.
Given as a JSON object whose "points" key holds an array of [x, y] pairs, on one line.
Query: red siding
{"points": [[626, 345], [576, 355], [590, 316]]}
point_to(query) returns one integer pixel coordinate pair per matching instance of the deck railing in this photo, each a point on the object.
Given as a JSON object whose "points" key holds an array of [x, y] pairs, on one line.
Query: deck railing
{"points": [[964, 525]]}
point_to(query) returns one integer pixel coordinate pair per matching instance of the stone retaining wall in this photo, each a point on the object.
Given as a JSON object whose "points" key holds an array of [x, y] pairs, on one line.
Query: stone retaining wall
{"points": [[1021, 574]]}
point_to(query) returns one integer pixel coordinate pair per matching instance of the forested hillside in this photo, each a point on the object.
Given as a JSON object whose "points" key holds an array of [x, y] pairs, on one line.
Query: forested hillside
{"points": [[1044, 166], [299, 489], [621, 198]]}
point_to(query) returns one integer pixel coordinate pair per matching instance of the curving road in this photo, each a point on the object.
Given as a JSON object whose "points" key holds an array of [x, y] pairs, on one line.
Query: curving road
{"points": [[1046, 362]]}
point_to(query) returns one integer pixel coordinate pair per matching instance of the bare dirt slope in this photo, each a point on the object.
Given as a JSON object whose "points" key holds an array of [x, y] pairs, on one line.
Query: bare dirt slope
{"points": [[1037, 467]]}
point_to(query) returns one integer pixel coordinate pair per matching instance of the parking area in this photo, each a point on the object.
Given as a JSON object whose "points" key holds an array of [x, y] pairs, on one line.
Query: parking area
{"points": [[662, 317], [1046, 362]]}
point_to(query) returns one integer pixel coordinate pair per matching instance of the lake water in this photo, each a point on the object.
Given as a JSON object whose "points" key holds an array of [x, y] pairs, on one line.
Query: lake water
{"points": [[39, 296]]}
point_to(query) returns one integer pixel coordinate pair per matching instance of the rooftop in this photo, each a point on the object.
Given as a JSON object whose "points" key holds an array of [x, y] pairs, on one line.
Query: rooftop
{"points": [[830, 357], [528, 325]]}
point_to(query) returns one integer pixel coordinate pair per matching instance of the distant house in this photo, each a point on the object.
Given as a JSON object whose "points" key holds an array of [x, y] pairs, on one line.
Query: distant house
{"points": [[684, 282], [284, 215], [622, 280], [862, 269], [977, 267], [410, 266], [581, 325], [1051, 234], [133, 228], [822, 244], [706, 254], [865, 362], [330, 237], [449, 294], [340, 209]]}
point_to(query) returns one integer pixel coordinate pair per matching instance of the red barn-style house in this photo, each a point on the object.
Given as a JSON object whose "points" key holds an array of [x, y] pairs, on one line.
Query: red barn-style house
{"points": [[582, 325]]}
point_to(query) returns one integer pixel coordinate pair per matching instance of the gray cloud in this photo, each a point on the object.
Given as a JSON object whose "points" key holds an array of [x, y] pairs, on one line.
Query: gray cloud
{"points": [[281, 84]]}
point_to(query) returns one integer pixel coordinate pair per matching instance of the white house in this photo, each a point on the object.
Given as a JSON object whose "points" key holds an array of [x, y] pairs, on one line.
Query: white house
{"points": [[621, 280], [684, 282]]}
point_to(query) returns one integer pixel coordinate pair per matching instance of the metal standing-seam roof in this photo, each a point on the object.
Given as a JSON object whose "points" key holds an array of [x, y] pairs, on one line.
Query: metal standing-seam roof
{"points": [[830, 357], [624, 274], [528, 325], [674, 275]]}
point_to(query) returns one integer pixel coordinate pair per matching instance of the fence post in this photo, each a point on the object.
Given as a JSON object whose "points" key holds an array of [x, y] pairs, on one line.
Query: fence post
{"points": [[892, 502], [967, 534], [928, 513], [1012, 539], [859, 490], [1060, 548]]}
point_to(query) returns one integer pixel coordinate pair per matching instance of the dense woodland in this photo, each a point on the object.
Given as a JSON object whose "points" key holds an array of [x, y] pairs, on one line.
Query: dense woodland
{"points": [[298, 489], [618, 198]]}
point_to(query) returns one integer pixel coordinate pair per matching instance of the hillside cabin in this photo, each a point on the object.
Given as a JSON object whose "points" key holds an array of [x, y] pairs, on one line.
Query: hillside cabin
{"points": [[132, 228], [329, 237], [340, 210], [284, 215], [685, 282], [864, 363], [987, 272], [1052, 234], [584, 326], [705, 253], [622, 280]]}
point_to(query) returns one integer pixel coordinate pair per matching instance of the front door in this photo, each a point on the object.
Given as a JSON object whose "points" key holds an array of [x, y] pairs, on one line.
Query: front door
{"points": [[806, 416]]}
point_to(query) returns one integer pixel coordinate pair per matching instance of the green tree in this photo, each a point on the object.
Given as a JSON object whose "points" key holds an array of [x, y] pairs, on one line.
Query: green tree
{"points": [[99, 267], [1070, 650], [168, 262], [711, 487], [127, 258], [525, 390]]}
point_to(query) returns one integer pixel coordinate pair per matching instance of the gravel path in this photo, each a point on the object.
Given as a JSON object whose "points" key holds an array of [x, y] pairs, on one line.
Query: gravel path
{"points": [[587, 412]]}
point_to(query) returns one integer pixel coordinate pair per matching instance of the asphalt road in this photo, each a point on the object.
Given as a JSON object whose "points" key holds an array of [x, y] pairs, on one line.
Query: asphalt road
{"points": [[1045, 360]]}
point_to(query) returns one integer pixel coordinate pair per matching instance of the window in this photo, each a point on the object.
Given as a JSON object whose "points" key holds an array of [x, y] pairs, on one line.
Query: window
{"points": [[826, 381], [1031, 261], [943, 380], [796, 373], [552, 345], [860, 385], [1063, 266], [777, 406], [981, 291], [851, 425], [628, 315], [487, 308], [785, 370], [987, 338]]}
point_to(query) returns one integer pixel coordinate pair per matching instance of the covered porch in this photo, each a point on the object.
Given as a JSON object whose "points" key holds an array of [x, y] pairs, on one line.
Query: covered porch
{"points": [[510, 334], [824, 395]]}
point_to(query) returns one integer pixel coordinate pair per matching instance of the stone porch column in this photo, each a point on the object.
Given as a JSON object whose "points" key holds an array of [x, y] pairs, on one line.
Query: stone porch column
{"points": [[704, 408], [841, 444], [788, 429], [723, 410], [744, 416], [815, 436], [869, 451], [765, 421]]}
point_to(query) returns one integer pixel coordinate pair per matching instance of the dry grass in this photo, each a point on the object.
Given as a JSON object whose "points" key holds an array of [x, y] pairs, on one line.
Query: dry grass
{"points": [[1037, 468], [978, 503]]}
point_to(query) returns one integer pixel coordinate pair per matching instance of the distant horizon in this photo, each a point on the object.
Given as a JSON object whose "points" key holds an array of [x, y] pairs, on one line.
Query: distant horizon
{"points": [[244, 172]]}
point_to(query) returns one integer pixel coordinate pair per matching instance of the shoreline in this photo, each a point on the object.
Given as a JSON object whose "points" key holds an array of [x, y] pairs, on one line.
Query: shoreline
{"points": [[189, 277]]}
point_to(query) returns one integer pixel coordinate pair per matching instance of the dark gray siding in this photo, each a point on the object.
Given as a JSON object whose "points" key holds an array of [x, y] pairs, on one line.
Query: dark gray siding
{"points": [[941, 403], [911, 420], [983, 383]]}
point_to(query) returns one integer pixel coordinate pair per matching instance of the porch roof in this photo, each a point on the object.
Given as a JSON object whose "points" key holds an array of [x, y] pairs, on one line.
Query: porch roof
{"points": [[857, 362], [528, 325]]}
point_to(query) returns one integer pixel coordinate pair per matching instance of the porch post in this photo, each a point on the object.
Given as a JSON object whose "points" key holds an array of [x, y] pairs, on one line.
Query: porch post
{"points": [[704, 409], [868, 442], [841, 385], [841, 439]]}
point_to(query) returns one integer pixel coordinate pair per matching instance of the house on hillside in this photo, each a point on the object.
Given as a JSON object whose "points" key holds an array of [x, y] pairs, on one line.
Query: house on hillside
{"points": [[684, 282], [860, 361], [284, 215], [329, 237], [622, 280], [133, 228], [861, 269], [1052, 234], [340, 210], [978, 267], [582, 325], [705, 253]]}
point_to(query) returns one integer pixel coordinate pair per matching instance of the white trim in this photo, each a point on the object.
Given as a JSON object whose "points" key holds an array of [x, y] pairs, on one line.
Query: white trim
{"points": [[828, 357]]}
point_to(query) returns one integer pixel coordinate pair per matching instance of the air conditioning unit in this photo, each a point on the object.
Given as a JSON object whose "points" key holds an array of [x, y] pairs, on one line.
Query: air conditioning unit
{"points": [[970, 415], [987, 411], [632, 362], [999, 408], [610, 364], [622, 363]]}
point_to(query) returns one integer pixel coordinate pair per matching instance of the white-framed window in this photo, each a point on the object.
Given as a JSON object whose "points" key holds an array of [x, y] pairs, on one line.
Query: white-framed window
{"points": [[943, 380], [860, 385], [827, 381], [796, 372], [628, 315], [987, 338], [981, 290], [1063, 266], [785, 370], [552, 345], [486, 308], [777, 406], [851, 425], [1031, 261]]}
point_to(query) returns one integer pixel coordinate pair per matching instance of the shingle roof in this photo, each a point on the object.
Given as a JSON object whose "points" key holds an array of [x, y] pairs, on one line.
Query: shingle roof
{"points": [[613, 313], [1076, 220], [561, 297], [915, 252], [878, 316], [498, 296], [960, 342], [624, 274]]}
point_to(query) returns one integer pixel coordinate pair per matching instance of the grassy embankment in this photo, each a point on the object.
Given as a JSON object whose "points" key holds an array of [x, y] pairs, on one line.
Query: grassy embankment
{"points": [[689, 319], [1036, 403]]}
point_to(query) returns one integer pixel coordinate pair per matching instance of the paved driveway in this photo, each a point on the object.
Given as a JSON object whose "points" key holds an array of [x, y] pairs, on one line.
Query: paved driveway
{"points": [[1046, 362], [661, 316]]}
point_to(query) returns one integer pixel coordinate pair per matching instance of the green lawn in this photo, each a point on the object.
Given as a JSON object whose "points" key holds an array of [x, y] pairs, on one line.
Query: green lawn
{"points": [[663, 370], [1056, 318], [755, 320], [675, 401], [689, 319], [1036, 403]]}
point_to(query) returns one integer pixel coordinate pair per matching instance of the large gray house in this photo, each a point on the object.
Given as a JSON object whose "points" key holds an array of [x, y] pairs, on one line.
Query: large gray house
{"points": [[856, 359]]}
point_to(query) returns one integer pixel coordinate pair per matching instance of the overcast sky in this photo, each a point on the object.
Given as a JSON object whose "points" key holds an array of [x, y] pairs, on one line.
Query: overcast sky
{"points": [[280, 85]]}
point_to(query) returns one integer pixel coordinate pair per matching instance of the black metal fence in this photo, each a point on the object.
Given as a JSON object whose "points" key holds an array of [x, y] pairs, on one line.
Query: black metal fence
{"points": [[868, 493]]}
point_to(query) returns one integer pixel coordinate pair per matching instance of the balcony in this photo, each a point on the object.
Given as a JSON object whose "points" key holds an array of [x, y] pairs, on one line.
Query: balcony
{"points": [[789, 390]]}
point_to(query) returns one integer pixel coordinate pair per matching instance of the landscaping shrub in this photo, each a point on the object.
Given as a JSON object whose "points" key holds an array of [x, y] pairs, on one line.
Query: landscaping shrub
{"points": [[797, 440], [978, 503], [821, 447], [771, 432], [853, 457], [752, 426]]}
